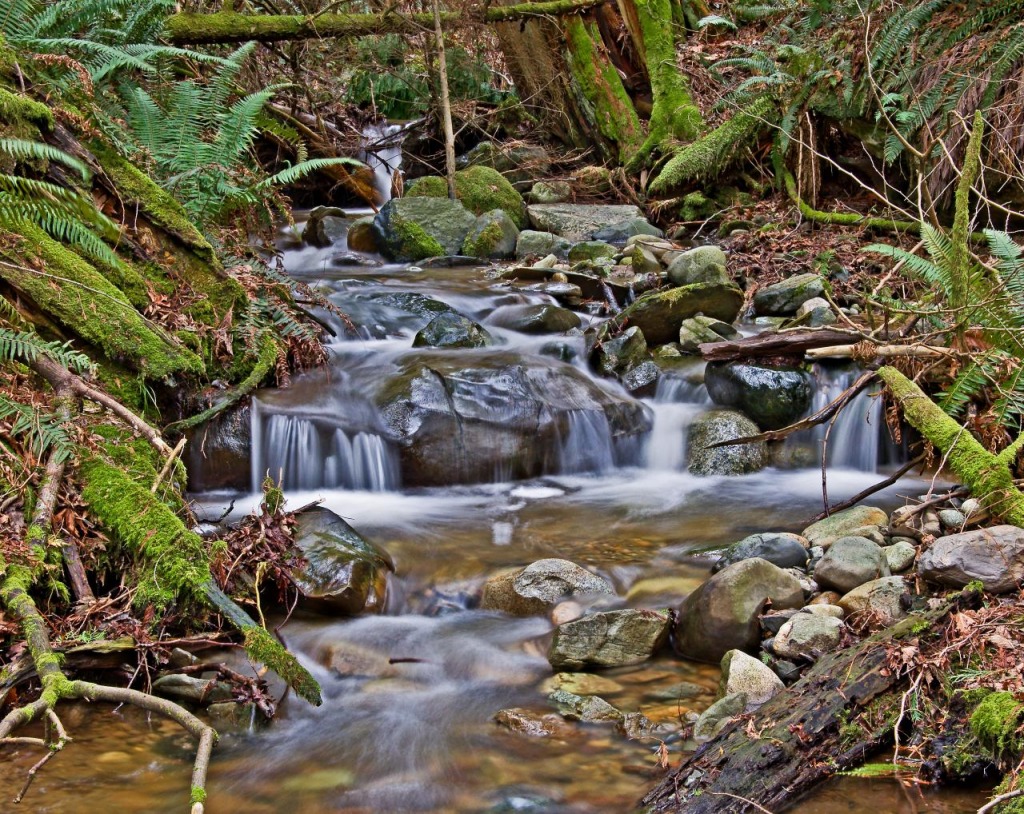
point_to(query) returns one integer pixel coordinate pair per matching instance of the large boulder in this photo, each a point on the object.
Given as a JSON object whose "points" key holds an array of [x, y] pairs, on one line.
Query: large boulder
{"points": [[325, 226], [539, 586], [850, 562], [579, 221], [773, 396], [779, 548], [413, 228], [721, 615], [480, 189], [613, 639], [784, 298], [342, 571], [660, 314], [494, 235], [452, 330], [994, 557], [735, 459], [219, 452], [459, 422], [704, 264], [539, 318], [851, 522], [361, 237]]}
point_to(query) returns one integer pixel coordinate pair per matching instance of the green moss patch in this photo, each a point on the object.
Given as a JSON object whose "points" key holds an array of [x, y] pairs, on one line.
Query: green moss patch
{"points": [[480, 189], [998, 724]]}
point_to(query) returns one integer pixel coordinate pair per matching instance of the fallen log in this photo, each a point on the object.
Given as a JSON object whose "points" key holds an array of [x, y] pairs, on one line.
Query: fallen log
{"points": [[783, 343], [829, 721]]}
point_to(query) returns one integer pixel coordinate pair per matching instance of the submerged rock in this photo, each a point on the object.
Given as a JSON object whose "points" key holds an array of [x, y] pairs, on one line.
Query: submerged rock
{"points": [[774, 397], [539, 586], [735, 459], [722, 614], [993, 556], [612, 639], [451, 330], [534, 724], [343, 572]]}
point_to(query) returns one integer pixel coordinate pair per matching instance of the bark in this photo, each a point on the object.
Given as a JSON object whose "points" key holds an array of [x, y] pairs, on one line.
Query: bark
{"points": [[784, 343], [800, 737]]}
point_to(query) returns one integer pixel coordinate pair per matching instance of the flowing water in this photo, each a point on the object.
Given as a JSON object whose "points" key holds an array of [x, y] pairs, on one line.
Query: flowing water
{"points": [[409, 726]]}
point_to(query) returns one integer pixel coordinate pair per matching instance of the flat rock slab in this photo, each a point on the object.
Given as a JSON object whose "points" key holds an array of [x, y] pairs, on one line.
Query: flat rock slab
{"points": [[845, 524], [612, 639], [993, 556], [579, 221]]}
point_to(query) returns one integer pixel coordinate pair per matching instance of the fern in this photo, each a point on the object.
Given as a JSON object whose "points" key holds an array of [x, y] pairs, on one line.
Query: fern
{"points": [[27, 346], [42, 433]]}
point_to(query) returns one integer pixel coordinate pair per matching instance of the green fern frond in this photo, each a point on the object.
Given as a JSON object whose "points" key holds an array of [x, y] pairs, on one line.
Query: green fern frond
{"points": [[28, 346], [38, 151], [292, 174]]}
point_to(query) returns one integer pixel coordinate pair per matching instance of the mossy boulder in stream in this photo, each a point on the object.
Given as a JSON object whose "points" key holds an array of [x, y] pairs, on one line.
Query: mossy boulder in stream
{"points": [[480, 189], [343, 572], [660, 314], [494, 235], [414, 228]]}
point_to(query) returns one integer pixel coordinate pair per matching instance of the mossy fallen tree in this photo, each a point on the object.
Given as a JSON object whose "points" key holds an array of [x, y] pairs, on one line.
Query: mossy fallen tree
{"points": [[986, 474]]}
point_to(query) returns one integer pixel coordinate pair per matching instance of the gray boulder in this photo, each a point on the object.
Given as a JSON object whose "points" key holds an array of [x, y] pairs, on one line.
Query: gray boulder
{"points": [[549, 192], [807, 636], [844, 524], [540, 318], [413, 228], [784, 298], [993, 556], [736, 459], [660, 314], [325, 226], [816, 313], [613, 639], [878, 600], [642, 379], [451, 330], [722, 614], [539, 586], [773, 396], [779, 548], [591, 250], [622, 231], [752, 677], [579, 221], [704, 264], [697, 330], [900, 556], [342, 572], [531, 243], [494, 235], [623, 352], [849, 562]]}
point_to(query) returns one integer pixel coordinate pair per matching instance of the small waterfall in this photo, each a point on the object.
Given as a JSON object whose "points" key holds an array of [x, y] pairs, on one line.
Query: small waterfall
{"points": [[677, 401], [854, 441], [587, 445], [306, 455], [381, 151]]}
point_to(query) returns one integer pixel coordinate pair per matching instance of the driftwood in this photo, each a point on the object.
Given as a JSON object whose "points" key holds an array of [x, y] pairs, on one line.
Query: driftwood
{"points": [[800, 737], [783, 343]]}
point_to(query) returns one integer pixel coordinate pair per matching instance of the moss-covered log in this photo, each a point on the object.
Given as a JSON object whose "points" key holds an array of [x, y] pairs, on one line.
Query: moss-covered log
{"points": [[830, 720], [987, 475]]}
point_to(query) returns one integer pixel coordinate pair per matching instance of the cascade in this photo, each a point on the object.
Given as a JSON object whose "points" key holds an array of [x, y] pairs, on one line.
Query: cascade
{"points": [[381, 151]]}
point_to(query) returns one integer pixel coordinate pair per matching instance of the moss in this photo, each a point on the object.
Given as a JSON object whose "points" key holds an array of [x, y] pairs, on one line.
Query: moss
{"points": [[714, 152], [600, 86], [483, 244], [697, 206], [78, 296], [198, 795], [16, 110], [264, 648], [480, 189], [415, 243], [998, 724]]}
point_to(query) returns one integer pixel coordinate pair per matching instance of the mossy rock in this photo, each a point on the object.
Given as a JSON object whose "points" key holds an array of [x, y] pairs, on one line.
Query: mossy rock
{"points": [[998, 724], [21, 117], [660, 314], [479, 188], [414, 228], [494, 235]]}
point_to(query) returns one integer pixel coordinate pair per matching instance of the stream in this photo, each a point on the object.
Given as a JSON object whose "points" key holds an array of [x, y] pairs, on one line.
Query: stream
{"points": [[419, 735]]}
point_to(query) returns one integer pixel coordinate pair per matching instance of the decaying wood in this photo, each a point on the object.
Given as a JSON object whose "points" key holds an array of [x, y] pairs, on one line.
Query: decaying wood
{"points": [[770, 758], [783, 343]]}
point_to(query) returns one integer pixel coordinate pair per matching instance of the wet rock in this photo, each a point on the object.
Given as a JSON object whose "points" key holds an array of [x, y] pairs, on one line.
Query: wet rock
{"points": [[783, 299], [325, 226], [579, 221], [736, 459], [619, 354], [191, 690], [697, 330], [413, 228], [807, 636], [621, 231], [586, 708], [413, 303], [460, 422], [352, 660], [704, 264], [478, 188], [538, 587], [878, 601], [849, 562], [743, 674], [716, 717], [779, 548], [681, 691], [844, 524], [611, 639], [993, 556], [531, 243], [534, 724], [816, 313], [451, 330], [361, 237], [584, 683], [773, 396], [219, 452], [722, 614], [900, 556], [540, 318], [660, 314], [494, 235], [635, 726], [642, 380], [591, 250], [343, 572], [549, 192]]}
